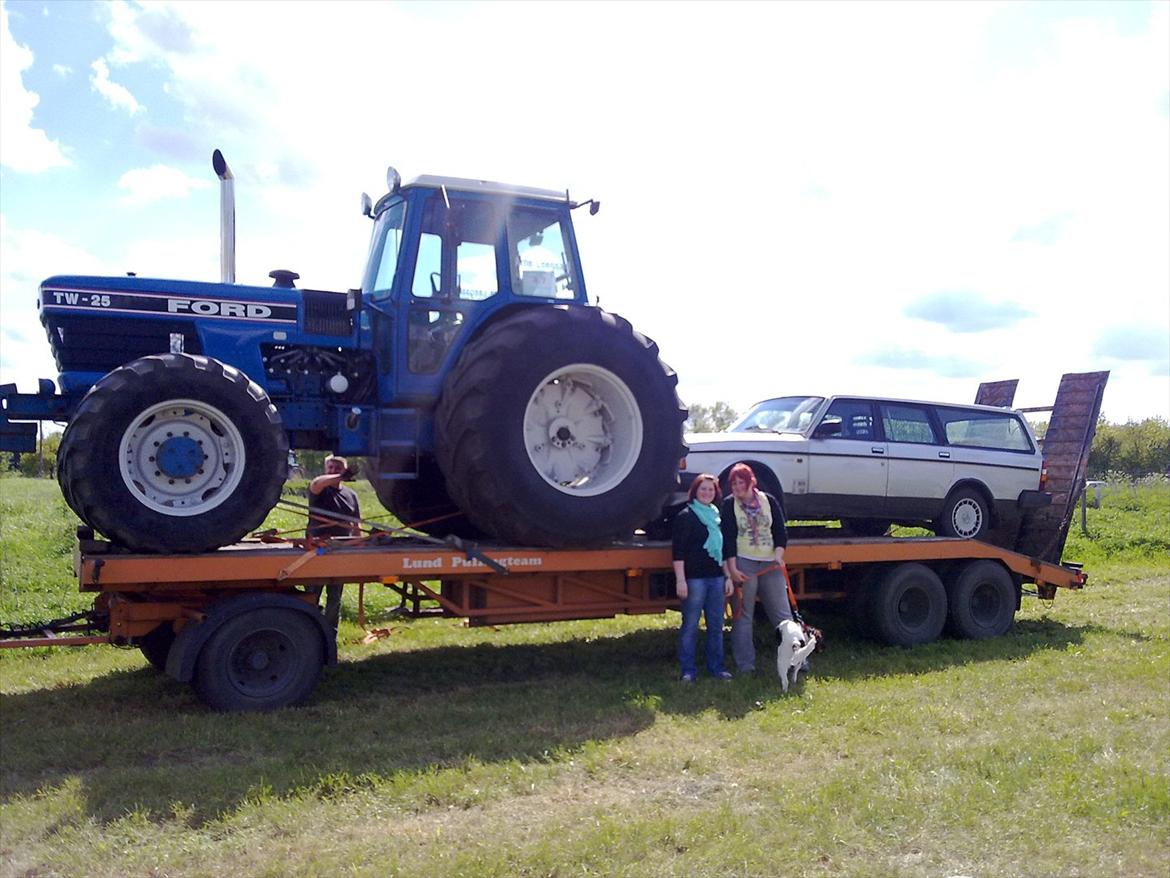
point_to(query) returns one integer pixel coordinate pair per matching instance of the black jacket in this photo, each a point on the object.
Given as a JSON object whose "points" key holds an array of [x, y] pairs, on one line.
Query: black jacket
{"points": [[731, 529], [687, 546]]}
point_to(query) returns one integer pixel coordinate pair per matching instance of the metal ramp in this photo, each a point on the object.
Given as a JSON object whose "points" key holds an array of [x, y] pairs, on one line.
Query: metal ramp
{"points": [[1066, 452]]}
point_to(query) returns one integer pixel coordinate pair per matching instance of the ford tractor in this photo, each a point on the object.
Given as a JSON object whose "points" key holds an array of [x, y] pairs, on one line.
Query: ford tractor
{"points": [[485, 392]]}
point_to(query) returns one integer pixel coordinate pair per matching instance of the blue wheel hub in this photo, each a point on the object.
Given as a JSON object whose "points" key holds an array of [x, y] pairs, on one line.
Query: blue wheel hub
{"points": [[180, 457]]}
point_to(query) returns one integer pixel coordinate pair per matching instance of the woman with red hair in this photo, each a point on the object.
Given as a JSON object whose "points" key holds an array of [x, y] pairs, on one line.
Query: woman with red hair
{"points": [[754, 538], [697, 551]]}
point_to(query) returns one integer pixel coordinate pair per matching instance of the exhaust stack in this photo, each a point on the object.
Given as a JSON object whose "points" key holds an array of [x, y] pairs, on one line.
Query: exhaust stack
{"points": [[227, 218]]}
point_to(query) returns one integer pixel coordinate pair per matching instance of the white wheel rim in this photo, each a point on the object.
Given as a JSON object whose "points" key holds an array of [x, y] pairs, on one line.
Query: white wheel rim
{"points": [[182, 457], [967, 518], [583, 430]]}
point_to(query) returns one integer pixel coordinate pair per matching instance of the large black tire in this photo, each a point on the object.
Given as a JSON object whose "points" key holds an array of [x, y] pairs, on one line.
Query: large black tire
{"points": [[196, 420], [981, 602], [260, 660], [156, 645], [908, 606], [560, 426], [966, 515], [417, 502]]}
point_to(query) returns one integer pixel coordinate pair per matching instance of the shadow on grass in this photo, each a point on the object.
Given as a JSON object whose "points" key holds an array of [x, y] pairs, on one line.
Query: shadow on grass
{"points": [[404, 721]]}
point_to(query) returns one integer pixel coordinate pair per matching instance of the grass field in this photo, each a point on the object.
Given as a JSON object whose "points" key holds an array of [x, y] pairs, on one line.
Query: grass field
{"points": [[569, 749]]}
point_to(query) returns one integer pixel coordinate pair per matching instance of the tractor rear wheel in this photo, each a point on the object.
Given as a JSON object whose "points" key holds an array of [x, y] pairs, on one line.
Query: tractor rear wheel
{"points": [[174, 453], [422, 503], [560, 426]]}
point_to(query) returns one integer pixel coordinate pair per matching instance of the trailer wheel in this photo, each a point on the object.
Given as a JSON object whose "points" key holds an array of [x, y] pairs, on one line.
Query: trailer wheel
{"points": [[156, 645], [908, 606], [560, 426], [981, 601], [174, 453], [965, 515], [260, 660]]}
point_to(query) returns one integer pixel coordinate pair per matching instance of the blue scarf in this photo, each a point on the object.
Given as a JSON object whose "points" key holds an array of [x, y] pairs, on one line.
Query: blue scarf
{"points": [[709, 516]]}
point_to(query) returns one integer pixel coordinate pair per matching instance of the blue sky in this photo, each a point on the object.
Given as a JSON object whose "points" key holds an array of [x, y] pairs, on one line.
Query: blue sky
{"points": [[887, 198]]}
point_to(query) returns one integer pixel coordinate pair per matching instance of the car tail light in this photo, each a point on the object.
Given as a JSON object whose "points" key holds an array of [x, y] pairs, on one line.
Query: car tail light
{"points": [[1043, 475]]}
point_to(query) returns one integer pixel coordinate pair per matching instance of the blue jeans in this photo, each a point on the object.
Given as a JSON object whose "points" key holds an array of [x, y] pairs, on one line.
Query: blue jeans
{"points": [[704, 596]]}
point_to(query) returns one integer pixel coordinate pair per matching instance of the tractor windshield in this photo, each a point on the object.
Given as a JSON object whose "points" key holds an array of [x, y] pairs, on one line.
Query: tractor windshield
{"points": [[385, 247]]}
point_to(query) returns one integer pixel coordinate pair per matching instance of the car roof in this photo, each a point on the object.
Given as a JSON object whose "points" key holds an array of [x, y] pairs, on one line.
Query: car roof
{"points": [[863, 398]]}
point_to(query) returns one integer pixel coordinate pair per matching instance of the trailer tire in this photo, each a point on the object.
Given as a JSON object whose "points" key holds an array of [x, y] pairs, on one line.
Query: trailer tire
{"points": [[206, 418], [560, 426], [156, 645], [262, 659], [908, 606], [981, 601]]}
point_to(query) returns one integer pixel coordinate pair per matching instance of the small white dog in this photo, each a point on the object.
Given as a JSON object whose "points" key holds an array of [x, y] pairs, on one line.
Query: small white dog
{"points": [[793, 650]]}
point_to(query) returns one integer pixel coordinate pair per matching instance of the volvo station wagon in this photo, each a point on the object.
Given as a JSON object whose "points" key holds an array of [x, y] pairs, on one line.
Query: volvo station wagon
{"points": [[868, 462]]}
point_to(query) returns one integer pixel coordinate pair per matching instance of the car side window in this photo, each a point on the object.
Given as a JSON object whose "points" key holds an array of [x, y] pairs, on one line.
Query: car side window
{"points": [[847, 419], [975, 429], [908, 423]]}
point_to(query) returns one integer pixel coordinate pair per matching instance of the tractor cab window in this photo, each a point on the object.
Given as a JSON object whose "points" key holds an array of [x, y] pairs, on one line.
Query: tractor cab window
{"points": [[387, 244], [540, 260]]}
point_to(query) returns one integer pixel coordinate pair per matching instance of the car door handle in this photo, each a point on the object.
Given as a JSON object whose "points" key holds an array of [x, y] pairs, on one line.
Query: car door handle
{"points": [[877, 449], [946, 454]]}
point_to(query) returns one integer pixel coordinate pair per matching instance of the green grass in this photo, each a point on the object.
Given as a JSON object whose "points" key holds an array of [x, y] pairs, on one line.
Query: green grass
{"points": [[568, 749]]}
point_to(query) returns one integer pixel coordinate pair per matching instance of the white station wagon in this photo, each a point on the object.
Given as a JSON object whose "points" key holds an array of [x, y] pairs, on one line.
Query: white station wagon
{"points": [[961, 470]]}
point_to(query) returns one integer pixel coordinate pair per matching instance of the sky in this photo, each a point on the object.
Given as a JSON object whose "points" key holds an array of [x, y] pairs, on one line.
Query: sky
{"points": [[885, 198]]}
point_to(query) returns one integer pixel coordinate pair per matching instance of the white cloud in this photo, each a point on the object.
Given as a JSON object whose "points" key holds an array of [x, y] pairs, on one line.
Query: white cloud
{"points": [[26, 258], [158, 182], [118, 95], [63, 70], [23, 147]]}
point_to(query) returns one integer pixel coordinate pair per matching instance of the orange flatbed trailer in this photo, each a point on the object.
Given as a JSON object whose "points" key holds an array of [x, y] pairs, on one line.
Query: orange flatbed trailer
{"points": [[243, 624]]}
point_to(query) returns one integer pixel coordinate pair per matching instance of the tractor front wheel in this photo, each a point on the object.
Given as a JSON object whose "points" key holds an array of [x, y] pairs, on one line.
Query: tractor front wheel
{"points": [[174, 453]]}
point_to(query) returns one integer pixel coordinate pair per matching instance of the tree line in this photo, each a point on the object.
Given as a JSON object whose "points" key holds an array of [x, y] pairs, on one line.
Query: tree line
{"points": [[1133, 449]]}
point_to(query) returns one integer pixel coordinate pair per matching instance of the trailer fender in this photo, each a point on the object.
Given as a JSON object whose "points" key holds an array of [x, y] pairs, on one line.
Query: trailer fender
{"points": [[189, 641]]}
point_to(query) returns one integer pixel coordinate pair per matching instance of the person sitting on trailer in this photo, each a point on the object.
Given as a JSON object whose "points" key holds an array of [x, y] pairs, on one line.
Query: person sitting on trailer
{"points": [[330, 505], [755, 535]]}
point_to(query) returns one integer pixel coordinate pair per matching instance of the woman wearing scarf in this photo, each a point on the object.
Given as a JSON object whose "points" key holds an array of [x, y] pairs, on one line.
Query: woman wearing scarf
{"points": [[754, 538], [699, 578]]}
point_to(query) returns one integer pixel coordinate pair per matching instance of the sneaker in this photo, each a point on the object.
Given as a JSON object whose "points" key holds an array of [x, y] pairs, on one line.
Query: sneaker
{"points": [[723, 676], [687, 678]]}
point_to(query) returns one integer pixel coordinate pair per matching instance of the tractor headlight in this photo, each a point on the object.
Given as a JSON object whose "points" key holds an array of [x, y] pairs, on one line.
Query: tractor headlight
{"points": [[393, 180]]}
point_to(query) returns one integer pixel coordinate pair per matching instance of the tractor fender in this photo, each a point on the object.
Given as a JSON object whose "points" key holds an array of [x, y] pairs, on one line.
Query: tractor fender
{"points": [[188, 642]]}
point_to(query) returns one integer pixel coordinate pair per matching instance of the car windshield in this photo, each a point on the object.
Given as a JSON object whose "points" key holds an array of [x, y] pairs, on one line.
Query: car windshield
{"points": [[787, 414]]}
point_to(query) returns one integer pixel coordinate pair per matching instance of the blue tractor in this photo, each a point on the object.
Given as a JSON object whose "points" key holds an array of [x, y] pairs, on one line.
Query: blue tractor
{"points": [[487, 395]]}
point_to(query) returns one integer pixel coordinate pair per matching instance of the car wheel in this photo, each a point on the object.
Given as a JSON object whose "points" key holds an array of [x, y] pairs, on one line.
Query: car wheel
{"points": [[965, 515], [981, 602]]}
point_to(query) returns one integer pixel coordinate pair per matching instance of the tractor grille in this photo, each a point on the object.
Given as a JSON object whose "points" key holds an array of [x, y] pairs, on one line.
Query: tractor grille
{"points": [[325, 313], [85, 343]]}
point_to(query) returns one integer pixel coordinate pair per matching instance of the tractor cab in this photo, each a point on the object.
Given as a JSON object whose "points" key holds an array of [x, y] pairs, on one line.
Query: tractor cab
{"points": [[449, 254]]}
